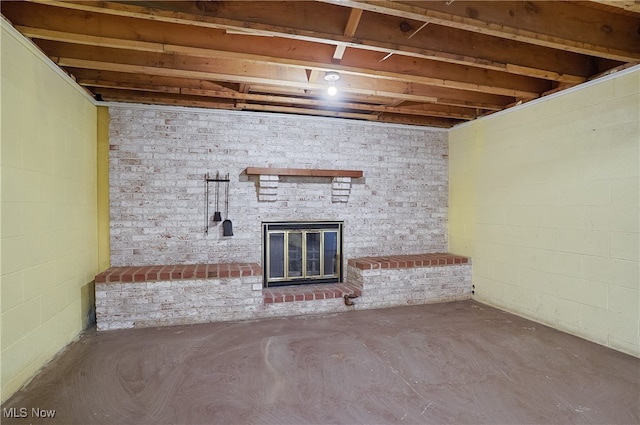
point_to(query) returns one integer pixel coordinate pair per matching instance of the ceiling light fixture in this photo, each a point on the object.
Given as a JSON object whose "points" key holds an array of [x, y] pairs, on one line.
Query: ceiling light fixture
{"points": [[331, 77]]}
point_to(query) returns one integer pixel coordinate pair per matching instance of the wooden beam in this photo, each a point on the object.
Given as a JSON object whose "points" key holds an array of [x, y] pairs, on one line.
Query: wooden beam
{"points": [[169, 99], [167, 72], [261, 67], [303, 172], [313, 75], [128, 86], [132, 80], [196, 74], [463, 113], [630, 5], [428, 109], [489, 84], [433, 95], [186, 19], [352, 23], [197, 87], [307, 111], [545, 34], [264, 61], [438, 95], [90, 40], [408, 120], [349, 31], [339, 53], [113, 95], [396, 102], [418, 93], [614, 70]]}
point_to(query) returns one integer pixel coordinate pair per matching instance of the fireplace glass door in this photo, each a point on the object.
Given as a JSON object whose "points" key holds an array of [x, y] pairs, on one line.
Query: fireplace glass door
{"points": [[297, 253]]}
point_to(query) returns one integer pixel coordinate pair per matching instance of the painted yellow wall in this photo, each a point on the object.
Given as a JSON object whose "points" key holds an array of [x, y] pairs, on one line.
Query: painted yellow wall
{"points": [[48, 232], [545, 198], [104, 250]]}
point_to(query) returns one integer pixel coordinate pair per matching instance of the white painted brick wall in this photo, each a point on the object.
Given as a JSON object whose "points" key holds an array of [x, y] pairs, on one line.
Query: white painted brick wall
{"points": [[383, 288], [182, 302], [301, 308], [159, 157], [177, 302]]}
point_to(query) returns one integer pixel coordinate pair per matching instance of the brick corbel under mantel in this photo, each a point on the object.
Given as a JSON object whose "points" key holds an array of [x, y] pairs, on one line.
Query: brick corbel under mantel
{"points": [[270, 177]]}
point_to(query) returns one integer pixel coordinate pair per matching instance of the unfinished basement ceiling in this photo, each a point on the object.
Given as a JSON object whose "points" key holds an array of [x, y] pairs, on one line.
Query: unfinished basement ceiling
{"points": [[434, 63]]}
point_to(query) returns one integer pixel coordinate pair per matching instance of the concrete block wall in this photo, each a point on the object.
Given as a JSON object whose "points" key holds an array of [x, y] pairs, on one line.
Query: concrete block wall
{"points": [[545, 199], [159, 156], [48, 230]]}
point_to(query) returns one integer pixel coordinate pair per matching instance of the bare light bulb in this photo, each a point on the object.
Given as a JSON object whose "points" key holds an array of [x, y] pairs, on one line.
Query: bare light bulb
{"points": [[332, 90]]}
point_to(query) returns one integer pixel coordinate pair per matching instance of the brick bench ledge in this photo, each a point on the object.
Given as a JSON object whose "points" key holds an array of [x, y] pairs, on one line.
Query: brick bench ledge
{"points": [[407, 261], [177, 272]]}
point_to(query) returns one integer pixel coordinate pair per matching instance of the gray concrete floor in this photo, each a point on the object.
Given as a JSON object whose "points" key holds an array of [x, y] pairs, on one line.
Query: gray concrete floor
{"points": [[459, 362]]}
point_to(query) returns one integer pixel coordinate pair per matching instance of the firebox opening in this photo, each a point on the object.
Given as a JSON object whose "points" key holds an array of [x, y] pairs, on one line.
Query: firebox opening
{"points": [[299, 252]]}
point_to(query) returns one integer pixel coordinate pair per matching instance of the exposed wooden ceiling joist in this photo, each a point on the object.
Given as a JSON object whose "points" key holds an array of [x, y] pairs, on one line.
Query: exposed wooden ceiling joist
{"points": [[629, 5], [615, 36], [376, 40], [413, 62], [242, 59]]}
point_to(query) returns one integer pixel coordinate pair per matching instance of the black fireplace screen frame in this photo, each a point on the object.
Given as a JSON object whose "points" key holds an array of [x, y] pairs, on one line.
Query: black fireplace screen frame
{"points": [[324, 230]]}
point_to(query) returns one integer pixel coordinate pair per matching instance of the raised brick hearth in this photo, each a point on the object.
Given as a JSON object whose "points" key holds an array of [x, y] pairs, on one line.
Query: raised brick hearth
{"points": [[134, 297], [128, 297], [283, 294]]}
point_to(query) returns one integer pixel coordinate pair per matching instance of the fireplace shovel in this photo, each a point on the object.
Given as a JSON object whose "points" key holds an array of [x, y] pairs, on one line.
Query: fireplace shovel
{"points": [[216, 215], [227, 228]]}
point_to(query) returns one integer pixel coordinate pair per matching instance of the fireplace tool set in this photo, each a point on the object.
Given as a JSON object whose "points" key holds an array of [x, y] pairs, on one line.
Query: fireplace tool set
{"points": [[227, 227]]}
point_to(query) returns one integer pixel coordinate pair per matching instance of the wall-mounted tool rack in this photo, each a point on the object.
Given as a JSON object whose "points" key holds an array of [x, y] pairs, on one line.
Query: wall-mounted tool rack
{"points": [[217, 179]]}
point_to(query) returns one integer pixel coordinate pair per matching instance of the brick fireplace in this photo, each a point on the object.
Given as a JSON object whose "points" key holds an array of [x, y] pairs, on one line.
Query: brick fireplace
{"points": [[391, 201]]}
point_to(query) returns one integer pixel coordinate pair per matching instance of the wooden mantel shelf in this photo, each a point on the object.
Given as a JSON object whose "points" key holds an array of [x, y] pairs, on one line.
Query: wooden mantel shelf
{"points": [[270, 177], [303, 172]]}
